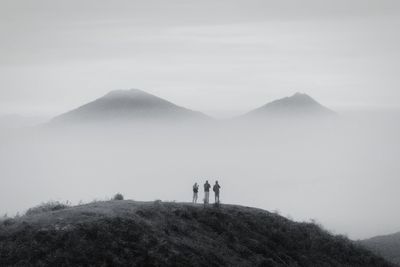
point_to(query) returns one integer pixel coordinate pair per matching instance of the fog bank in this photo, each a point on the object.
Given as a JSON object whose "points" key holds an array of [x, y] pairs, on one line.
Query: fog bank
{"points": [[343, 173]]}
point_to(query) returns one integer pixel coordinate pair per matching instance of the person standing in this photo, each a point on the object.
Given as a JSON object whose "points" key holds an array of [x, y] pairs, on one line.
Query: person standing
{"points": [[216, 188], [207, 187], [195, 192]]}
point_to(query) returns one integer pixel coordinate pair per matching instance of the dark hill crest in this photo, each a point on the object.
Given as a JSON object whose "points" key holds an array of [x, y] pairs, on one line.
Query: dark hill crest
{"points": [[128, 233]]}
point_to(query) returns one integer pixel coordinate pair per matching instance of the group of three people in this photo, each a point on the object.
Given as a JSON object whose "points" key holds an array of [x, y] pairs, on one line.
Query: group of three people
{"points": [[207, 187]]}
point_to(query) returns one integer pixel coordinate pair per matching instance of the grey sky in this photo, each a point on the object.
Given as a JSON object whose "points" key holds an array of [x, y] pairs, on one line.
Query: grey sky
{"points": [[219, 57]]}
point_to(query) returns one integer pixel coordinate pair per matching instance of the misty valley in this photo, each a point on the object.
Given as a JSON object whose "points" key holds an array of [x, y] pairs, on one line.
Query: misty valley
{"points": [[186, 133], [323, 167]]}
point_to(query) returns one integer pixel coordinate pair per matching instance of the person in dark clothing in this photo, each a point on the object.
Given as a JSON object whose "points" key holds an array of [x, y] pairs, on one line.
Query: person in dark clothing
{"points": [[216, 188], [207, 187], [195, 192]]}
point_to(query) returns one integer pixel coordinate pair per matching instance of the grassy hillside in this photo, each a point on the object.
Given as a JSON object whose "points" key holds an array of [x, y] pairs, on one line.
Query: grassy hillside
{"points": [[128, 233], [388, 246]]}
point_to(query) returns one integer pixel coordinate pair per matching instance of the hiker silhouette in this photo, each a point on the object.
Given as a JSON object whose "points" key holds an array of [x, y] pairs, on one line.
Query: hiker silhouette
{"points": [[195, 192], [207, 187], [216, 188]]}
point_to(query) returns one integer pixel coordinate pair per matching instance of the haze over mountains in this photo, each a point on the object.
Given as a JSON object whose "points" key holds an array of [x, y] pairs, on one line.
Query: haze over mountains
{"points": [[13, 121], [296, 166], [136, 105]]}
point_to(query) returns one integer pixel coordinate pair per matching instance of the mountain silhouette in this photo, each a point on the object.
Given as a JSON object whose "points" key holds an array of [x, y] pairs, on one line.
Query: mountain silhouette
{"points": [[297, 105], [130, 233], [135, 105], [128, 105]]}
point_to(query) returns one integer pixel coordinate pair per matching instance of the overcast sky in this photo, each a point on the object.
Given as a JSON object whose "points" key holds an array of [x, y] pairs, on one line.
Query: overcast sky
{"points": [[220, 57]]}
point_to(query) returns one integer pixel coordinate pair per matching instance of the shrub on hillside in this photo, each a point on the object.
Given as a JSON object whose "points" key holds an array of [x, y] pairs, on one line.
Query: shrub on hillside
{"points": [[45, 207], [118, 196]]}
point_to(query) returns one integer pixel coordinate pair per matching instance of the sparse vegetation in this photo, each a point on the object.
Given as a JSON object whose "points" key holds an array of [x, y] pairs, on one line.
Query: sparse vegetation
{"points": [[127, 233], [47, 206]]}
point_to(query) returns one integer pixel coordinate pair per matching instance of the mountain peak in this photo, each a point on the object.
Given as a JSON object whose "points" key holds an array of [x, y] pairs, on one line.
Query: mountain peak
{"points": [[126, 93], [300, 94], [128, 105], [300, 98], [299, 104]]}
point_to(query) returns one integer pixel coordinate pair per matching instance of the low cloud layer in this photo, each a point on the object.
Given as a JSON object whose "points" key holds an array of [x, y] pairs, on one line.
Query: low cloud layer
{"points": [[342, 173]]}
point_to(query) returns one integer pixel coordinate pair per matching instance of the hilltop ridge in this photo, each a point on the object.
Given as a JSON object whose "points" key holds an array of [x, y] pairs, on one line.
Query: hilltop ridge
{"points": [[129, 233]]}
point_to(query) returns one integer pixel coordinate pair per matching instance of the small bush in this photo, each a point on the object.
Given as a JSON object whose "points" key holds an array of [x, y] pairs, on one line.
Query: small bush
{"points": [[45, 207], [118, 196]]}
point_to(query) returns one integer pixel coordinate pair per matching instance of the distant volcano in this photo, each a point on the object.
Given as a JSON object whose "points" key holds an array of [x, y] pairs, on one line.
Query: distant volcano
{"points": [[297, 105], [128, 105]]}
